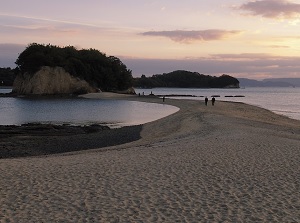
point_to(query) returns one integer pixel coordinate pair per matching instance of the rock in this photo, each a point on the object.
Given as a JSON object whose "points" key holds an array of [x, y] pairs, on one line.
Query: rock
{"points": [[128, 91], [50, 81], [237, 85]]}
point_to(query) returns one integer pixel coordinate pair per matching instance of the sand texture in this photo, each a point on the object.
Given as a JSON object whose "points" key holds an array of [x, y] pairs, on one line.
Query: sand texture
{"points": [[225, 163]]}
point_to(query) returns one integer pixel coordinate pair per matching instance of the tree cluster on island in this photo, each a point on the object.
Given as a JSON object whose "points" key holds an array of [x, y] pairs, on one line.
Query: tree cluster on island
{"points": [[186, 79], [7, 76], [107, 73]]}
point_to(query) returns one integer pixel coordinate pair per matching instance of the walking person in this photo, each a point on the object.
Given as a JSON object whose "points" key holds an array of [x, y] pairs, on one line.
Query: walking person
{"points": [[206, 100], [213, 101]]}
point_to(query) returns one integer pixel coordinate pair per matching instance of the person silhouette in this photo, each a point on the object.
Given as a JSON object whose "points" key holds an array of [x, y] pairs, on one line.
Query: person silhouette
{"points": [[213, 101], [206, 100]]}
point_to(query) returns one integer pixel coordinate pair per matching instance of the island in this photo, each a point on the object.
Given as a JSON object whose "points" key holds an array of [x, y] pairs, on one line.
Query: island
{"points": [[49, 70], [186, 79]]}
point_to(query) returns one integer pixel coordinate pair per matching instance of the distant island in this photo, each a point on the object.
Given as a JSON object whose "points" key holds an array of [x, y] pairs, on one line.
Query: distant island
{"points": [[186, 79], [270, 82]]}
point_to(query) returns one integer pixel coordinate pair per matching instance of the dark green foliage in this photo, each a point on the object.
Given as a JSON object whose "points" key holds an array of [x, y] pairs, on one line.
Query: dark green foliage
{"points": [[224, 81], [7, 76], [106, 73], [185, 79]]}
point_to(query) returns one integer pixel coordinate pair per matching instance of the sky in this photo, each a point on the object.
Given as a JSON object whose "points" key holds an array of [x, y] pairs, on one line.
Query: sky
{"points": [[252, 39]]}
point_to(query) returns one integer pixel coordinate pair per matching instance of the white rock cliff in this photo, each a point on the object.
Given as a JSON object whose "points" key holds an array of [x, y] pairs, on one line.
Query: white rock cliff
{"points": [[49, 81]]}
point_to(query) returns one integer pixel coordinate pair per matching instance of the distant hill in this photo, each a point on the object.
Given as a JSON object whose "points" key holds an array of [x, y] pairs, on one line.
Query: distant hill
{"points": [[186, 79], [279, 82], [293, 81]]}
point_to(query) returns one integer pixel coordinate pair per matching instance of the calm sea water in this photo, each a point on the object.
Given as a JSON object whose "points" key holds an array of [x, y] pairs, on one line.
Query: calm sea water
{"points": [[114, 113], [284, 101]]}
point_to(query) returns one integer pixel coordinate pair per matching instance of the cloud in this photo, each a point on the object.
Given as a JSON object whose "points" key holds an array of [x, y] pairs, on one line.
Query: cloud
{"points": [[46, 26], [58, 32], [278, 47], [274, 9], [30, 19], [183, 36], [30, 26]]}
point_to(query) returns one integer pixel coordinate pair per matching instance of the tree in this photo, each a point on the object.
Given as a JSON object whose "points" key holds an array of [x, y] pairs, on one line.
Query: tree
{"points": [[7, 76], [185, 79]]}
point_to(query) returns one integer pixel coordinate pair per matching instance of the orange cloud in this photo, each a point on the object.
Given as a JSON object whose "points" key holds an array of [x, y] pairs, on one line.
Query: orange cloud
{"points": [[194, 35], [278, 46], [275, 9]]}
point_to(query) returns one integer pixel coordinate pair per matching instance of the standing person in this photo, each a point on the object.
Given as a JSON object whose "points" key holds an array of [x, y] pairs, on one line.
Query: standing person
{"points": [[213, 101], [163, 98], [206, 100]]}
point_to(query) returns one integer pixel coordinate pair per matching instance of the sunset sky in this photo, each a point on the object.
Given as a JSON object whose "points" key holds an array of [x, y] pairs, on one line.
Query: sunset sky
{"points": [[253, 39]]}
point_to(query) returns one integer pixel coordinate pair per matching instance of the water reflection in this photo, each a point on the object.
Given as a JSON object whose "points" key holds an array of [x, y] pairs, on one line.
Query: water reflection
{"points": [[5, 90], [80, 111]]}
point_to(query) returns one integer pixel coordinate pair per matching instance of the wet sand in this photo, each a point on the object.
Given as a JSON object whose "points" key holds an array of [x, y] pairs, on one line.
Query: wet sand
{"points": [[44, 139], [225, 163]]}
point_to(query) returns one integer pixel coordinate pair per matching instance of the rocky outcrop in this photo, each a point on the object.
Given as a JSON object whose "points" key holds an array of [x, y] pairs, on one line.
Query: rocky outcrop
{"points": [[50, 81], [128, 91], [237, 85]]}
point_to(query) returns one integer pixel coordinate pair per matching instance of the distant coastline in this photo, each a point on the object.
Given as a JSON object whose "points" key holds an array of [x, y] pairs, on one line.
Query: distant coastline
{"points": [[271, 82]]}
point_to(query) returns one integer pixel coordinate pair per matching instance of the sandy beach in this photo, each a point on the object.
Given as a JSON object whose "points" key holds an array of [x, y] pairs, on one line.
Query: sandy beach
{"points": [[230, 162]]}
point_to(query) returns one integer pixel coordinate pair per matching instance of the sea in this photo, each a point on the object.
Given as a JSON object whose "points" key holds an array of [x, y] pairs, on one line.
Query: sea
{"points": [[280, 100], [79, 111], [118, 113]]}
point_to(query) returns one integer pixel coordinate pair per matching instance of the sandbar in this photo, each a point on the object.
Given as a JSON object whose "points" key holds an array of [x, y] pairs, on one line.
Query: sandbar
{"points": [[230, 162]]}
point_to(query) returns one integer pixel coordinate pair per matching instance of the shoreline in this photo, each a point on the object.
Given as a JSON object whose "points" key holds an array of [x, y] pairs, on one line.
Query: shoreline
{"points": [[292, 114], [31, 140], [231, 162], [38, 139]]}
